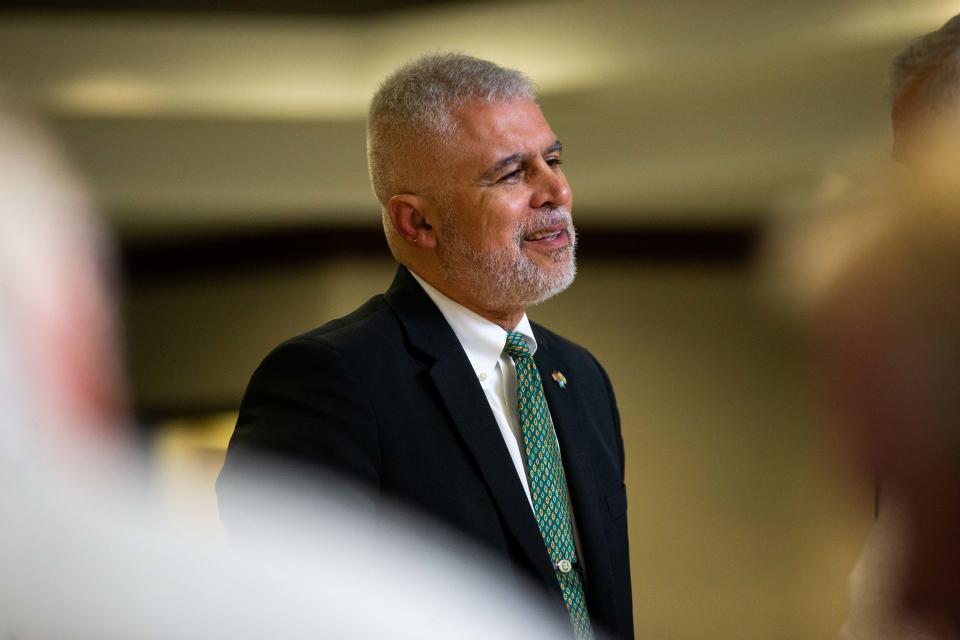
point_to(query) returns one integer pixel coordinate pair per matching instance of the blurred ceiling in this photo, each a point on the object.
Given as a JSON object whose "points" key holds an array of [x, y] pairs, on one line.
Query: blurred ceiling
{"points": [[320, 7], [217, 116]]}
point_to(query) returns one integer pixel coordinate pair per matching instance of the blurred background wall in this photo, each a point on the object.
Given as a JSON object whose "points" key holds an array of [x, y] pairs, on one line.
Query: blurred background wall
{"points": [[225, 143]]}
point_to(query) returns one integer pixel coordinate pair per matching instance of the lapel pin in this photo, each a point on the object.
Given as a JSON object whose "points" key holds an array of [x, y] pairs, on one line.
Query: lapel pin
{"points": [[560, 379]]}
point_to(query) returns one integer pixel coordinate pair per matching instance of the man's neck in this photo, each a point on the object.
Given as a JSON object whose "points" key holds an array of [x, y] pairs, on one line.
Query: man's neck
{"points": [[507, 319]]}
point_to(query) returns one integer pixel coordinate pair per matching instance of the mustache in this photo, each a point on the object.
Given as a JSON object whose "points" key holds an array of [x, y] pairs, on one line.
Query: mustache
{"points": [[543, 219]]}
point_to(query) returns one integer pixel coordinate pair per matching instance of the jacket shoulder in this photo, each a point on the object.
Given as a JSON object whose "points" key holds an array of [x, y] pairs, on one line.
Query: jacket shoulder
{"points": [[361, 330], [564, 347]]}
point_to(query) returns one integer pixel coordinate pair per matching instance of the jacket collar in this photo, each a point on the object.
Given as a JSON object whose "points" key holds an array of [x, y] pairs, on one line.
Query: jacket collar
{"points": [[482, 340], [451, 372]]}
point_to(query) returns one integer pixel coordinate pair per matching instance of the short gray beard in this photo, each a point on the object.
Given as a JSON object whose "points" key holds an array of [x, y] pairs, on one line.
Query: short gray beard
{"points": [[507, 278]]}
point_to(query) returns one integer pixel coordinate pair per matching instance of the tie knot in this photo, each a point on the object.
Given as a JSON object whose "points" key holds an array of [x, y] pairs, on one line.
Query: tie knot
{"points": [[516, 346]]}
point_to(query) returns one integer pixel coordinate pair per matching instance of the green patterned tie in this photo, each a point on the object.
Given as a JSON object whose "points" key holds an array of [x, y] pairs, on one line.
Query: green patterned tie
{"points": [[548, 484]]}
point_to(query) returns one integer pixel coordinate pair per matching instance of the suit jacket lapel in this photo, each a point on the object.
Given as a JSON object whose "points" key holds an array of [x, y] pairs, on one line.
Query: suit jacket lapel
{"points": [[576, 444], [454, 378]]}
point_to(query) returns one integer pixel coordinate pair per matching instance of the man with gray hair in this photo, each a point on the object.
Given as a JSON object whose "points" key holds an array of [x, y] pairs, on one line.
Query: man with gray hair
{"points": [[441, 393]]}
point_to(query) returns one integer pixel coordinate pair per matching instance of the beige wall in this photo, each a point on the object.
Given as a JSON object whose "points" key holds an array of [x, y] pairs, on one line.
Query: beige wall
{"points": [[741, 526]]}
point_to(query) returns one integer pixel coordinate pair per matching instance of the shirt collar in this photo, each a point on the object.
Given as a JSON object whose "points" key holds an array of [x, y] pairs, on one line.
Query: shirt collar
{"points": [[482, 340]]}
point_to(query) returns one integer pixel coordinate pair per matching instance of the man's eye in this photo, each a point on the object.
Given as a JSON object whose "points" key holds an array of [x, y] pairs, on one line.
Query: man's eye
{"points": [[554, 162], [512, 176]]}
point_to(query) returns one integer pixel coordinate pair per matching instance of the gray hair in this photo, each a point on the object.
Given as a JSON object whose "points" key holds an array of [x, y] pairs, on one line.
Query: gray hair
{"points": [[419, 100], [933, 60]]}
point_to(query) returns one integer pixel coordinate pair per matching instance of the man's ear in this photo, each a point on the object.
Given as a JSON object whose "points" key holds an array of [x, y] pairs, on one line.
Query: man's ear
{"points": [[407, 213]]}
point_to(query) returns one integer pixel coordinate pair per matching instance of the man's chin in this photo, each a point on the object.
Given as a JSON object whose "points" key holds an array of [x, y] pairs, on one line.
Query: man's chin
{"points": [[551, 260], [558, 284]]}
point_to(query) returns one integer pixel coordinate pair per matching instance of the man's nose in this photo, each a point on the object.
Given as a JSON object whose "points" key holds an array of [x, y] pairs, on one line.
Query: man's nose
{"points": [[551, 188]]}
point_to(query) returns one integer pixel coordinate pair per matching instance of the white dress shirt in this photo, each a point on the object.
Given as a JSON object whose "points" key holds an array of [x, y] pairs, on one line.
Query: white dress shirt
{"points": [[483, 342]]}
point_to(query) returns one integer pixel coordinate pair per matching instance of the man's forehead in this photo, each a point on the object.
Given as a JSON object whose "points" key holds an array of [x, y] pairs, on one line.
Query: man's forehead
{"points": [[497, 128]]}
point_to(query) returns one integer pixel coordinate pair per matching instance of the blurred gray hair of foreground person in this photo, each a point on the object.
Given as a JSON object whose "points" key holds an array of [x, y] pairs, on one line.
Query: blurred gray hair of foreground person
{"points": [[85, 552], [59, 366], [876, 271], [925, 111]]}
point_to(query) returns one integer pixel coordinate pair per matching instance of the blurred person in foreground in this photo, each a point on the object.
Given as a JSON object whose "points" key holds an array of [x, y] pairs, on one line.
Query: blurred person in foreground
{"points": [[872, 267], [441, 393], [925, 115], [62, 375], [85, 550], [889, 331]]}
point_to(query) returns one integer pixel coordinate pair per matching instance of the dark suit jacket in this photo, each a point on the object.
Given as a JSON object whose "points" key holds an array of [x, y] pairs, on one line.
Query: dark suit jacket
{"points": [[387, 397]]}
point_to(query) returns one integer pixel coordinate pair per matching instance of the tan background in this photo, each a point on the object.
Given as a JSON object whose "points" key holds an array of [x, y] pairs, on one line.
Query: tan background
{"points": [[694, 115]]}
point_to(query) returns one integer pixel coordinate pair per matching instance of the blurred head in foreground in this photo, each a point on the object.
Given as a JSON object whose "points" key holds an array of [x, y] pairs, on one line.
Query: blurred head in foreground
{"points": [[57, 328], [891, 327], [876, 270]]}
